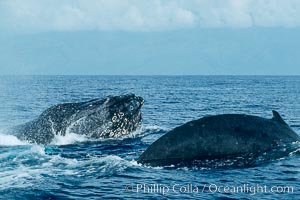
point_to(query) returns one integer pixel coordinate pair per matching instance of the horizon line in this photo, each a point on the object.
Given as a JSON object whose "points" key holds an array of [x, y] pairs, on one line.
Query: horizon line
{"points": [[149, 74]]}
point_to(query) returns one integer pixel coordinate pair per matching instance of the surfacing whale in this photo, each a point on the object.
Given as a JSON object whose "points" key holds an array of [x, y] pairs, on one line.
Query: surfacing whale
{"points": [[110, 117], [219, 136]]}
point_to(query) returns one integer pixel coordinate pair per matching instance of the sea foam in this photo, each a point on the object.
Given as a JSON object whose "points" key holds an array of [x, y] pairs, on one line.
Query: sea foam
{"points": [[10, 140]]}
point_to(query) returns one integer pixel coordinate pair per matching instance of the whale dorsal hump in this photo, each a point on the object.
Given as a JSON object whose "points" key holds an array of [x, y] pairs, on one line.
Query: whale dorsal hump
{"points": [[277, 117]]}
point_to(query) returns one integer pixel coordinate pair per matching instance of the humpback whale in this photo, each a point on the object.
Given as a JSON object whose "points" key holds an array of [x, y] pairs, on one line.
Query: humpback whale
{"points": [[110, 117], [219, 136]]}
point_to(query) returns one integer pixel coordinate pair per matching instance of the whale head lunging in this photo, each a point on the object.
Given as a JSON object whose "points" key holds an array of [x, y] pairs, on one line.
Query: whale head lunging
{"points": [[110, 117]]}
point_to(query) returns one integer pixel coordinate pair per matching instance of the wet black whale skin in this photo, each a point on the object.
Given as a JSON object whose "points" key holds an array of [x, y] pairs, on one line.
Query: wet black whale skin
{"points": [[217, 137]]}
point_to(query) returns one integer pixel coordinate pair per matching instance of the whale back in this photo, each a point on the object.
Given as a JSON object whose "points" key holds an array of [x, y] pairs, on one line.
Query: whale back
{"points": [[217, 137]]}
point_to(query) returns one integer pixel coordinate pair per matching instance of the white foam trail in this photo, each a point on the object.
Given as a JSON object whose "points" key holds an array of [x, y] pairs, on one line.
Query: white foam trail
{"points": [[155, 128], [133, 134], [10, 140], [38, 149], [69, 138]]}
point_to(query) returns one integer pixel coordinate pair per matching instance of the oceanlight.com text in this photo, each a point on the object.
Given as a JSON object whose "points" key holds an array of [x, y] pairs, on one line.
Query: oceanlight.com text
{"points": [[165, 189]]}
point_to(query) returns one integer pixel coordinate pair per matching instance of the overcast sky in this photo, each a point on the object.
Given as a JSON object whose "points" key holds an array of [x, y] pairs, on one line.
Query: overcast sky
{"points": [[150, 37]]}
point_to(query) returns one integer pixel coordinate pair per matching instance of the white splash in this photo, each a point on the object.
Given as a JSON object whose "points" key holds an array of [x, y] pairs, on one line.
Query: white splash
{"points": [[69, 138], [155, 128], [10, 140]]}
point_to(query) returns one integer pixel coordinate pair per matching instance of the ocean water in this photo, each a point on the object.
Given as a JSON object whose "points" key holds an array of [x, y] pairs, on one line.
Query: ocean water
{"points": [[74, 167]]}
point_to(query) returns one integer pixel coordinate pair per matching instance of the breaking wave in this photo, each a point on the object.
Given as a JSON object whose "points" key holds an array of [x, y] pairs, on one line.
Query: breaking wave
{"points": [[10, 140]]}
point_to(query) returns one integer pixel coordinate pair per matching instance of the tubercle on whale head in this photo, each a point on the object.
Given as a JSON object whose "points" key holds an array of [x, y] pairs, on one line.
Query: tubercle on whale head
{"points": [[112, 116], [124, 112], [126, 105], [126, 97], [113, 103]]}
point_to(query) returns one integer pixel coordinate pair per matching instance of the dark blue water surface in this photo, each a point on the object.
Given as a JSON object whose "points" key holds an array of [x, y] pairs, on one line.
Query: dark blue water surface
{"points": [[73, 167]]}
